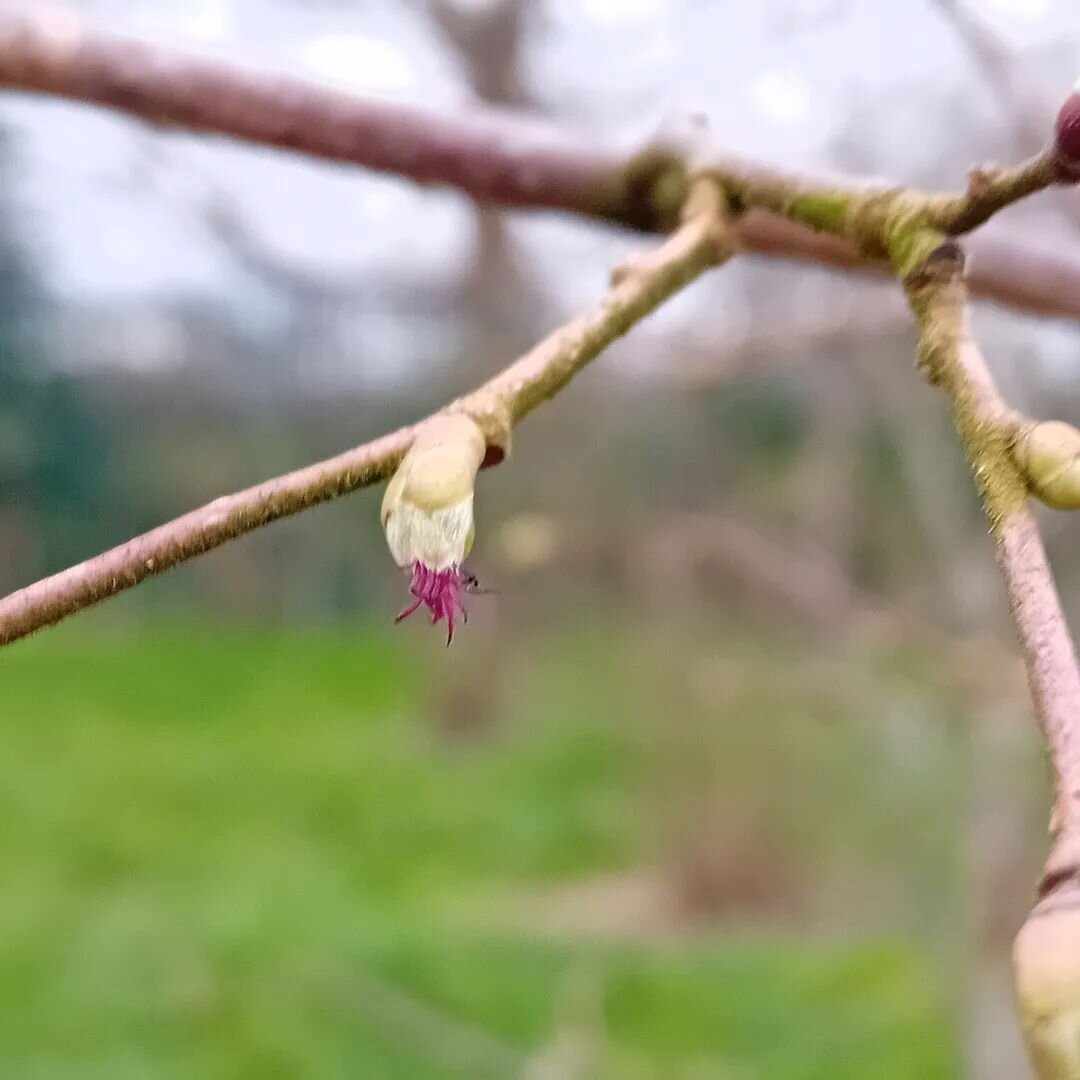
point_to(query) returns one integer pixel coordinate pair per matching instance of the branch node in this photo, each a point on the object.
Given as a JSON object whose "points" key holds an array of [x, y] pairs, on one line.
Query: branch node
{"points": [[704, 207], [932, 271], [654, 184]]}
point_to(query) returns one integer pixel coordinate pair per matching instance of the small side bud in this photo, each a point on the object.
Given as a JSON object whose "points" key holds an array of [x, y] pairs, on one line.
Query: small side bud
{"points": [[634, 265], [1046, 966], [1067, 136], [1049, 454]]}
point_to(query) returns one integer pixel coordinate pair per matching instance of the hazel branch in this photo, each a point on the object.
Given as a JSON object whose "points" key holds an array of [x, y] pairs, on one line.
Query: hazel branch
{"points": [[872, 219], [911, 230], [1046, 951], [638, 288], [494, 159], [988, 430]]}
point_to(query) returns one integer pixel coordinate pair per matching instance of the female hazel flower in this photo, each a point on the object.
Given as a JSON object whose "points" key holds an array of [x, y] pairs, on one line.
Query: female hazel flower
{"points": [[427, 514]]}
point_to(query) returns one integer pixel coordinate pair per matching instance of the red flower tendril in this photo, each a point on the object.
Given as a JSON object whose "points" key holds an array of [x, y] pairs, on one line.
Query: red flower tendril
{"points": [[442, 592]]}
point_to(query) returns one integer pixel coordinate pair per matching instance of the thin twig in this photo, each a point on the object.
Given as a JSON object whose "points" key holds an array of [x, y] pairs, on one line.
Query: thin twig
{"points": [[640, 287], [988, 429], [1049, 654], [874, 219], [1046, 949], [489, 156], [856, 211]]}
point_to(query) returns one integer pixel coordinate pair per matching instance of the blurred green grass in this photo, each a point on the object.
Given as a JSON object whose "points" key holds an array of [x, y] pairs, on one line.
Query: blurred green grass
{"points": [[253, 854]]}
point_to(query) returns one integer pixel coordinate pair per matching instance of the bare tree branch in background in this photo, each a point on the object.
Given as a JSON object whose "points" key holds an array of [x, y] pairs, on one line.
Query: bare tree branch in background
{"points": [[220, 214], [488, 41], [776, 346], [489, 156]]}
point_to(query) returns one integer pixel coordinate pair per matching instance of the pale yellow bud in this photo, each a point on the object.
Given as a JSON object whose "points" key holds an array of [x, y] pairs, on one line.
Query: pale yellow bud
{"points": [[1046, 960], [427, 511], [1050, 455]]}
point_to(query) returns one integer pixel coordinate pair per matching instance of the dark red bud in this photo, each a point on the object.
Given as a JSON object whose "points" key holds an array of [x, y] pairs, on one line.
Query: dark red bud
{"points": [[1067, 136]]}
